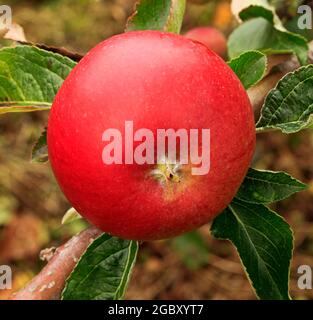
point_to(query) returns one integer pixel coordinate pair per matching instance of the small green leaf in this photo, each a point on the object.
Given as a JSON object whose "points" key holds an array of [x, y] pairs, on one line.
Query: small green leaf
{"points": [[163, 15], [289, 106], [254, 11], [70, 216], [103, 271], [249, 9], [264, 242], [268, 186], [249, 67], [259, 34], [30, 78], [40, 149]]}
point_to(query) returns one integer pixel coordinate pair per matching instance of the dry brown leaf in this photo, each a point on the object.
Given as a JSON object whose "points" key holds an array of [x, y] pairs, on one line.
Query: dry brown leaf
{"points": [[14, 32]]}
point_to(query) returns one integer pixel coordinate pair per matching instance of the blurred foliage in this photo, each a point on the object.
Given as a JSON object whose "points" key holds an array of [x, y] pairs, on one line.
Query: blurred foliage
{"points": [[192, 249], [75, 24]]}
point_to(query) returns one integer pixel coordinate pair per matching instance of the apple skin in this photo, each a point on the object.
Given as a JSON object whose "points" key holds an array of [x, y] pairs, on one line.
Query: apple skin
{"points": [[210, 37], [158, 80]]}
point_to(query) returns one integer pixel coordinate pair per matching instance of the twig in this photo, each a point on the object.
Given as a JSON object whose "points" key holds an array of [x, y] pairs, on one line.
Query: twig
{"points": [[49, 283]]}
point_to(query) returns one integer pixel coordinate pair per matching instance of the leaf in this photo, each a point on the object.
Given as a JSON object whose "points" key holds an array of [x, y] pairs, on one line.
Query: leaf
{"points": [[18, 106], [289, 106], [163, 15], [256, 12], [70, 216], [259, 34], [249, 9], [268, 186], [250, 67], [30, 78], [262, 12], [40, 149], [264, 242], [14, 32], [103, 271], [238, 5]]}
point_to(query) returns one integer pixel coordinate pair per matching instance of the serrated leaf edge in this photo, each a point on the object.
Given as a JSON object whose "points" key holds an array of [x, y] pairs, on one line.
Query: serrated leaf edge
{"points": [[276, 126]]}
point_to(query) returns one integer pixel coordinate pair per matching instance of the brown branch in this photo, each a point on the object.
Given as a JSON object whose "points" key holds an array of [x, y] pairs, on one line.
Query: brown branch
{"points": [[62, 51], [49, 283]]}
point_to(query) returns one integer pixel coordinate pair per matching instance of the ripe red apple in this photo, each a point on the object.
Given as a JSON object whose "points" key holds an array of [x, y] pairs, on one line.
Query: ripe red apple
{"points": [[157, 80], [210, 37]]}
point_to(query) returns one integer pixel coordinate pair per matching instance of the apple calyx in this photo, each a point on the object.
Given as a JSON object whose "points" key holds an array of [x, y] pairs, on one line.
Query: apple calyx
{"points": [[167, 171]]}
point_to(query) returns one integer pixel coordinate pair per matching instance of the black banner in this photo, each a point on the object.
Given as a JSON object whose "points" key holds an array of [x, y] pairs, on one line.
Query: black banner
{"points": [[152, 309]]}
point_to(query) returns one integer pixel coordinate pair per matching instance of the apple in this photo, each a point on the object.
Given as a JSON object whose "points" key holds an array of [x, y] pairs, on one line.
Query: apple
{"points": [[130, 88], [210, 37], [199, 1]]}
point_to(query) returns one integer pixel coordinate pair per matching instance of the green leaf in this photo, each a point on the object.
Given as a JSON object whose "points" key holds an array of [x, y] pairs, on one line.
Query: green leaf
{"points": [[103, 271], [268, 13], [40, 149], [259, 34], [30, 78], [250, 67], [254, 11], [268, 186], [289, 106], [249, 9], [163, 15], [264, 242]]}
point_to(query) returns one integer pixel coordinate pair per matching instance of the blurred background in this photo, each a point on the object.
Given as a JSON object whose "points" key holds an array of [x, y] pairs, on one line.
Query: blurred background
{"points": [[193, 266]]}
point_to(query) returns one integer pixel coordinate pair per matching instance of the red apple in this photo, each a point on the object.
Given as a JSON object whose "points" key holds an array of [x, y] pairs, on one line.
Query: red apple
{"points": [[210, 37], [159, 81]]}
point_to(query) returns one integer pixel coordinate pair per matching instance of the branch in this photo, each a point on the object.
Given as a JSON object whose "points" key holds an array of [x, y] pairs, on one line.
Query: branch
{"points": [[49, 283]]}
